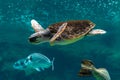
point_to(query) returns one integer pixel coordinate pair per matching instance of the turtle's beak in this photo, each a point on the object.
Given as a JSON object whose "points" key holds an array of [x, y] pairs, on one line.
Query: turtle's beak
{"points": [[32, 39]]}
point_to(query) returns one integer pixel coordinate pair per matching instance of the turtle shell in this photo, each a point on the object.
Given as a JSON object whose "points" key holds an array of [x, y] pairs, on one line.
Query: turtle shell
{"points": [[74, 29]]}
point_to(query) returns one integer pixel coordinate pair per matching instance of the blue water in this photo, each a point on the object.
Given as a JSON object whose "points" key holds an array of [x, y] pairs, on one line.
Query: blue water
{"points": [[15, 28]]}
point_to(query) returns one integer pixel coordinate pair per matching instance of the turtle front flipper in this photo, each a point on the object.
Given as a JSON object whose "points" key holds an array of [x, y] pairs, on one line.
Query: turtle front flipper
{"points": [[59, 32], [36, 26]]}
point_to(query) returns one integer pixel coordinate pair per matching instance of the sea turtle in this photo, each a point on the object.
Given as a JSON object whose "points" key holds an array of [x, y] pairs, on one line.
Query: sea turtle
{"points": [[63, 33], [88, 69]]}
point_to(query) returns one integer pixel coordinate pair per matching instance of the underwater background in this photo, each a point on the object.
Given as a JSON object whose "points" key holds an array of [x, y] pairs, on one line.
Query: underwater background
{"points": [[15, 28]]}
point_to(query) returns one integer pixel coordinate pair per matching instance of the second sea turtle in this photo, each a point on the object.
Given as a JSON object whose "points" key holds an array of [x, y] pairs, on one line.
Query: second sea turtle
{"points": [[89, 69]]}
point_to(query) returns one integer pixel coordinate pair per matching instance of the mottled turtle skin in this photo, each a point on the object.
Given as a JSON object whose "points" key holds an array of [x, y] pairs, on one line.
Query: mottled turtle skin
{"points": [[74, 31]]}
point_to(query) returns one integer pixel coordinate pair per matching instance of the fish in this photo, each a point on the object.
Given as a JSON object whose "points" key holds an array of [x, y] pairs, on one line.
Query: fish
{"points": [[20, 64], [39, 62], [34, 61], [88, 69]]}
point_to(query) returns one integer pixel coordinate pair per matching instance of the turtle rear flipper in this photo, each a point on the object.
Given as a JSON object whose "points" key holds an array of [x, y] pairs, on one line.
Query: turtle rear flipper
{"points": [[59, 32], [96, 32], [36, 26]]}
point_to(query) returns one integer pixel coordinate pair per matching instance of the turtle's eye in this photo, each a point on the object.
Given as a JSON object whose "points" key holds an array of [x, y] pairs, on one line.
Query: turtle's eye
{"points": [[35, 39]]}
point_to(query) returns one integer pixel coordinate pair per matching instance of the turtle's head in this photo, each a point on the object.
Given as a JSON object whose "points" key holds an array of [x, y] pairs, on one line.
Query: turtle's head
{"points": [[39, 37]]}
